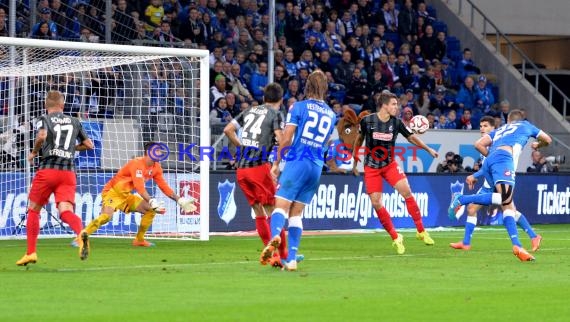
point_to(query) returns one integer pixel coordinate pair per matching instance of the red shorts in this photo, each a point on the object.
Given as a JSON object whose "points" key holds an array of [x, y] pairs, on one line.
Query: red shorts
{"points": [[257, 184], [373, 177], [61, 183]]}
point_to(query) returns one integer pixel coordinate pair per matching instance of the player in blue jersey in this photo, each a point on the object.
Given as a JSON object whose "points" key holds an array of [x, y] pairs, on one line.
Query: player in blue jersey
{"points": [[499, 168], [486, 125], [309, 125]]}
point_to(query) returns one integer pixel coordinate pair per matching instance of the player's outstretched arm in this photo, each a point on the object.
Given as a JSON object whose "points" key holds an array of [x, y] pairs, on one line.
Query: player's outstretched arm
{"points": [[483, 143], [415, 140]]}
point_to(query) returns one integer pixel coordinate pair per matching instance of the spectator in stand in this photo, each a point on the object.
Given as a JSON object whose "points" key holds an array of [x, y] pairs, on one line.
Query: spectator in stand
{"points": [[427, 81], [407, 115], [94, 21], [217, 69], [165, 37], [250, 67], [239, 85], [444, 165], [486, 99], [58, 16], [153, 15], [390, 16], [220, 115], [431, 120], [43, 32], [467, 65], [293, 91], [295, 30], [323, 63], [88, 36], [387, 71], [468, 95], [333, 43], [417, 57], [218, 90], [306, 61], [193, 29], [405, 74], [439, 104], [358, 91], [407, 23], [125, 28], [448, 81], [422, 12], [423, 102], [504, 109], [3, 25], [244, 44], [421, 27], [465, 122], [429, 44], [289, 62], [540, 165], [343, 70], [258, 82], [280, 77], [45, 17], [440, 46], [441, 122], [452, 123]]}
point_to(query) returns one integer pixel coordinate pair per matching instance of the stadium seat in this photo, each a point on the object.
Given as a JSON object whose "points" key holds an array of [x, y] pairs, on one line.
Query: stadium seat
{"points": [[432, 11], [439, 26], [453, 44], [393, 37]]}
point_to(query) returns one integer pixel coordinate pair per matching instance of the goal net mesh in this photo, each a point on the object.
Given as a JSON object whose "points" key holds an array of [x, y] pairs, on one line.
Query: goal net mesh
{"points": [[123, 100]]}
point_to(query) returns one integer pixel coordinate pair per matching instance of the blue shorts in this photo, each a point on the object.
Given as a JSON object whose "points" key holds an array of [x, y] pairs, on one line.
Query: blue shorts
{"points": [[499, 168], [299, 181], [485, 189]]}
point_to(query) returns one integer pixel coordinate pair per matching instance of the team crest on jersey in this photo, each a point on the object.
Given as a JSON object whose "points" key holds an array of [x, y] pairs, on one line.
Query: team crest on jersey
{"points": [[457, 187], [382, 136], [391, 128], [226, 205]]}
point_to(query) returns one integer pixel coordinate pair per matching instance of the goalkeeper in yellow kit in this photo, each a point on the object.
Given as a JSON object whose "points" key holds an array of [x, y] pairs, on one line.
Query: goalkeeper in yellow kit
{"points": [[118, 195]]}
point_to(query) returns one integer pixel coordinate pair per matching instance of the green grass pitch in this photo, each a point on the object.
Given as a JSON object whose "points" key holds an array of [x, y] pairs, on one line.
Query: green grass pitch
{"points": [[354, 277]]}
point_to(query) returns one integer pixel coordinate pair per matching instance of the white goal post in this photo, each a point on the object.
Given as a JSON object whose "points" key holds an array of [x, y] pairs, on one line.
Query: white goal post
{"points": [[124, 96]]}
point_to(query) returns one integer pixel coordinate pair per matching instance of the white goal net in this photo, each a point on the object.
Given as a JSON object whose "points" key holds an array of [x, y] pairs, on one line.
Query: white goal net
{"points": [[124, 96]]}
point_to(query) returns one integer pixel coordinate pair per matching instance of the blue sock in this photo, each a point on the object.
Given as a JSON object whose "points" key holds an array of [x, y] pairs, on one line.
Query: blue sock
{"points": [[479, 199], [294, 238], [470, 224], [277, 222], [511, 226], [525, 225]]}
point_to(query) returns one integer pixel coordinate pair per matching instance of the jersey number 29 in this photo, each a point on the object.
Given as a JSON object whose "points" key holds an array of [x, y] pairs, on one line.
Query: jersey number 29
{"points": [[322, 124]]}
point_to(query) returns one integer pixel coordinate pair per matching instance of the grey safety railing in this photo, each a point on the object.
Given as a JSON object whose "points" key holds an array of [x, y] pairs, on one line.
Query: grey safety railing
{"points": [[527, 63]]}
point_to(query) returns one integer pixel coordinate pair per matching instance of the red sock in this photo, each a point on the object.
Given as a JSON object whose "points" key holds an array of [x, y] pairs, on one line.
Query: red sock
{"points": [[262, 226], [32, 230], [283, 252], [414, 211], [72, 220], [386, 222]]}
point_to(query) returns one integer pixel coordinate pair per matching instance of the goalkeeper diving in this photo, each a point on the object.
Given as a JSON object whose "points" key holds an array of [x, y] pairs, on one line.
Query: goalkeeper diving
{"points": [[118, 194]]}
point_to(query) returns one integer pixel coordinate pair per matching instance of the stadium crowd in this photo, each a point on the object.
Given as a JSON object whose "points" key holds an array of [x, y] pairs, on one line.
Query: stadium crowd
{"points": [[363, 46]]}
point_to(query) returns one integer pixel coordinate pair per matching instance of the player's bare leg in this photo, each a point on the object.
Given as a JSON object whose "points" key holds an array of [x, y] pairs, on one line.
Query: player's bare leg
{"points": [[32, 232], [386, 221], [403, 188], [282, 207], [146, 221], [470, 224]]}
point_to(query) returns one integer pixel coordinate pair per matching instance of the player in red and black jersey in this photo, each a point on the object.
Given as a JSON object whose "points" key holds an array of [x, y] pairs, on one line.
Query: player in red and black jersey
{"points": [[56, 139], [379, 132], [262, 126]]}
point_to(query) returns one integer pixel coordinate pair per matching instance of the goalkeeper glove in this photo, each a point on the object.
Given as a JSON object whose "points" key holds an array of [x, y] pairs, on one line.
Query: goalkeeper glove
{"points": [[157, 206], [187, 204]]}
